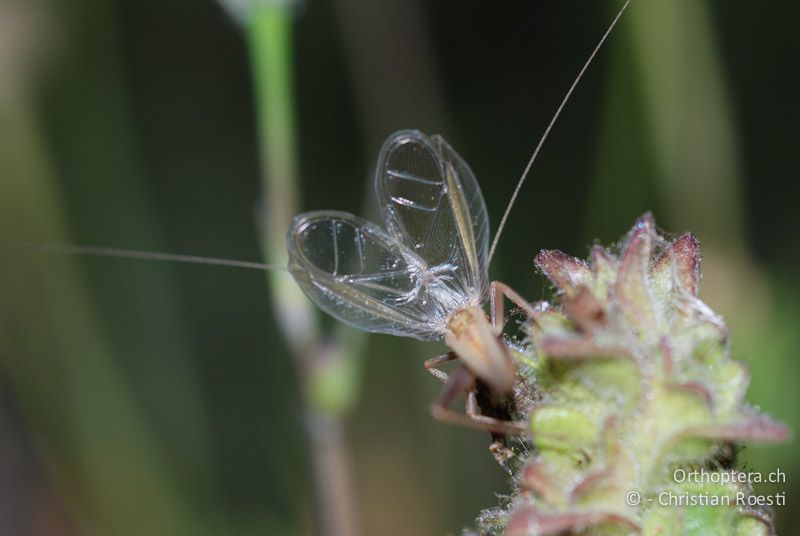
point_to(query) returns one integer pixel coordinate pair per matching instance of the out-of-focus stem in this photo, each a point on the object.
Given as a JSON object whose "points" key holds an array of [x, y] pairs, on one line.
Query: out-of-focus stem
{"points": [[671, 69], [391, 33], [60, 365], [326, 370], [270, 42], [688, 116], [695, 144]]}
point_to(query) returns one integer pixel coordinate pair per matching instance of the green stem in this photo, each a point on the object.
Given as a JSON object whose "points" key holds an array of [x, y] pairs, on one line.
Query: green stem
{"points": [[269, 30], [326, 374]]}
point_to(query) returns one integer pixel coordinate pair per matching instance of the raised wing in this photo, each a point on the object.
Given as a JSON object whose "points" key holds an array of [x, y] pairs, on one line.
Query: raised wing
{"points": [[359, 274], [431, 202]]}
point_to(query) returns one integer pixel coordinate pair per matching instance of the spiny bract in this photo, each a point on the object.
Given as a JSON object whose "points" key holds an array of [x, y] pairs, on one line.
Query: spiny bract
{"points": [[634, 380]]}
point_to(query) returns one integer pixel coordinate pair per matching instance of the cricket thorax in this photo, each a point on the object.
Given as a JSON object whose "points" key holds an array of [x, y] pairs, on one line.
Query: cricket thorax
{"points": [[473, 338], [461, 322]]}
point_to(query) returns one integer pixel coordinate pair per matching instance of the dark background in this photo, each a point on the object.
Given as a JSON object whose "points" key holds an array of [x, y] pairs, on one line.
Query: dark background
{"points": [[142, 397]]}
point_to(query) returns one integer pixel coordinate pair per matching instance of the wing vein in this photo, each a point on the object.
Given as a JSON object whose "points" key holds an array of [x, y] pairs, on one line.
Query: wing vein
{"points": [[411, 204], [437, 212], [411, 177], [335, 240]]}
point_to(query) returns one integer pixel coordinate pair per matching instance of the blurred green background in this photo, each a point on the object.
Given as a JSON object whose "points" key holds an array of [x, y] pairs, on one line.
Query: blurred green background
{"points": [[148, 398]]}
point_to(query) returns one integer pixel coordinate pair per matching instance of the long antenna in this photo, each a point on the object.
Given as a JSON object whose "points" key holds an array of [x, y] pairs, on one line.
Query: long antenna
{"points": [[549, 128], [144, 255]]}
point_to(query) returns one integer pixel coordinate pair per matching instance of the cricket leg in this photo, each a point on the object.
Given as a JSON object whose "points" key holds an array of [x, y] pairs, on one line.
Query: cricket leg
{"points": [[463, 381], [432, 364], [460, 381], [498, 291], [497, 426]]}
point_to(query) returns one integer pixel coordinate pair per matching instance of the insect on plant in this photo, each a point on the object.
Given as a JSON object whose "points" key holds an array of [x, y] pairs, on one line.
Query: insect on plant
{"points": [[425, 275]]}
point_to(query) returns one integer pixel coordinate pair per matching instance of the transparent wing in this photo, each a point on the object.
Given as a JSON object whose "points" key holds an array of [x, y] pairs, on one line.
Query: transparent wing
{"points": [[432, 203], [359, 274]]}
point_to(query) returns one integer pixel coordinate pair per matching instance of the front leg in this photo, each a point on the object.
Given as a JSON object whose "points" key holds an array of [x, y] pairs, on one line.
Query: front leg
{"points": [[497, 291], [432, 364]]}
